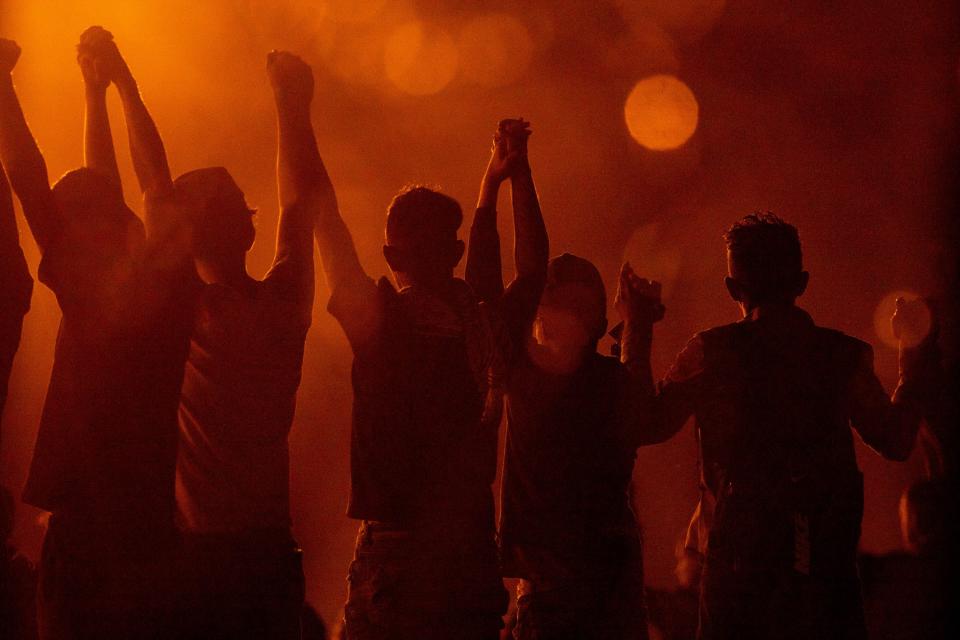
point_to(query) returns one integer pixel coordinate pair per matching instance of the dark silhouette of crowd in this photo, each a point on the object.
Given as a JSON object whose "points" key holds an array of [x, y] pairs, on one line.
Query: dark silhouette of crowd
{"points": [[162, 452]]}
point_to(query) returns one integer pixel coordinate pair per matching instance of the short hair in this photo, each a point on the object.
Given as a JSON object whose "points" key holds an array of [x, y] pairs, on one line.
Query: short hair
{"points": [[418, 211], [766, 250], [574, 283]]}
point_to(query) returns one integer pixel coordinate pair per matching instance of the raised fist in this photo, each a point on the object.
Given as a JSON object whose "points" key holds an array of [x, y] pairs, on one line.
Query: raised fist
{"points": [[638, 299], [290, 76], [515, 132], [9, 54], [509, 151]]}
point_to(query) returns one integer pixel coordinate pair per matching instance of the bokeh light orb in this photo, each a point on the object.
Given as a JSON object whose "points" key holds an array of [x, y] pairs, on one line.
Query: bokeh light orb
{"points": [[918, 327], [420, 58], [661, 112], [653, 256], [495, 50]]}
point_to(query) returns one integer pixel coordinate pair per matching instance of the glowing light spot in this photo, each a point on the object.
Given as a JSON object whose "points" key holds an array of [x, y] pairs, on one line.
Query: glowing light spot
{"points": [[652, 256], [661, 112], [495, 50], [916, 326], [420, 59]]}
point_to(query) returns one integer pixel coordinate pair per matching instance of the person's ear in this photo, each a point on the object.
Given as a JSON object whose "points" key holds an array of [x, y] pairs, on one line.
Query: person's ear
{"points": [[394, 257], [733, 288], [802, 280]]}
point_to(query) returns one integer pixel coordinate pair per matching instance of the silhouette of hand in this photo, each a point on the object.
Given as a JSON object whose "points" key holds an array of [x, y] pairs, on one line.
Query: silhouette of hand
{"points": [[638, 299], [100, 59], [509, 151], [290, 77], [9, 54]]}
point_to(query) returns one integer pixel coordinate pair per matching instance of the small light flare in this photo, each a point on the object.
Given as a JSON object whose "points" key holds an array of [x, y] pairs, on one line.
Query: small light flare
{"points": [[916, 325], [420, 59], [661, 112]]}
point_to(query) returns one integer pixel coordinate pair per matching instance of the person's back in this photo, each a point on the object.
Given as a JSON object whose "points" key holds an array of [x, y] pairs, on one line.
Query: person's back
{"points": [[774, 397]]}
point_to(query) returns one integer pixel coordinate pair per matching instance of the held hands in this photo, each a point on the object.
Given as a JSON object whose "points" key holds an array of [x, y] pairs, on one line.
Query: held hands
{"points": [[509, 151], [638, 299], [100, 60], [290, 77], [9, 54]]}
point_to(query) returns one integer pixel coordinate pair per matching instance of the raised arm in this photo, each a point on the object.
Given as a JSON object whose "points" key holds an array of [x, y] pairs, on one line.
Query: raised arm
{"points": [[638, 303], [889, 425], [98, 152], [484, 271], [146, 145], [21, 156]]}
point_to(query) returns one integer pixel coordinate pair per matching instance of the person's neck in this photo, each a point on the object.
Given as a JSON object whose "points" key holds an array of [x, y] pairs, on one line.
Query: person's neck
{"points": [[438, 285], [770, 307]]}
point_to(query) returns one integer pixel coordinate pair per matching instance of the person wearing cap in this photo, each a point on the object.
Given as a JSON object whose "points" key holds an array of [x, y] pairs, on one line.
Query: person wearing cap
{"points": [[243, 568], [774, 397], [104, 458], [574, 421]]}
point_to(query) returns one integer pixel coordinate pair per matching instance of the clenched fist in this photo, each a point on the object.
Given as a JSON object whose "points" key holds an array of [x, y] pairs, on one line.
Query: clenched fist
{"points": [[290, 77], [100, 59]]}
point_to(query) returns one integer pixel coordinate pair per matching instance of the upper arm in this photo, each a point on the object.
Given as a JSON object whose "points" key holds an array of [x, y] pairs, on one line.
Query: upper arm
{"points": [[679, 393], [293, 267], [484, 271], [358, 307]]}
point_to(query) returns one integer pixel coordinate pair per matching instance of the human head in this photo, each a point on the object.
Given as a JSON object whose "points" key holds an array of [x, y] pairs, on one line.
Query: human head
{"points": [[222, 222], [572, 316], [98, 221], [764, 261], [422, 245]]}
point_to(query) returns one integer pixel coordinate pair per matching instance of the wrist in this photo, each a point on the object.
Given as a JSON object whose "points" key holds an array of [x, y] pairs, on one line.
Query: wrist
{"points": [[127, 86]]}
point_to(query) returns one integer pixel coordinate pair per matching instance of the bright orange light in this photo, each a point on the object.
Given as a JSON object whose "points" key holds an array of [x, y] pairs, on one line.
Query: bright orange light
{"points": [[884, 329], [652, 257], [353, 11], [420, 59], [495, 50], [661, 112]]}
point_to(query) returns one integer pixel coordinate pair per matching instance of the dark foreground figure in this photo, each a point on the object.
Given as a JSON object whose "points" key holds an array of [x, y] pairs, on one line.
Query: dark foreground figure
{"points": [[243, 572], [573, 426], [424, 439], [105, 453], [774, 397]]}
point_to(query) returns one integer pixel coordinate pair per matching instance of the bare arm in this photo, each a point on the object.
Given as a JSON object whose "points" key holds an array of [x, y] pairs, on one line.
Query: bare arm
{"points": [[98, 151], [484, 270], [21, 156]]}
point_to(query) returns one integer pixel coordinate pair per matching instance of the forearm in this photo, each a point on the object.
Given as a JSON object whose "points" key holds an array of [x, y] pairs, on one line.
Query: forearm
{"points": [[338, 255], [23, 161], [98, 152], [531, 246], [146, 145], [484, 270], [301, 175]]}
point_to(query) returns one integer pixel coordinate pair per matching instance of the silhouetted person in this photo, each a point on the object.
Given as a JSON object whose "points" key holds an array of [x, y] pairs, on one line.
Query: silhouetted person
{"points": [[774, 397], [907, 594], [240, 387], [573, 419], [426, 410], [18, 580], [104, 459], [15, 283]]}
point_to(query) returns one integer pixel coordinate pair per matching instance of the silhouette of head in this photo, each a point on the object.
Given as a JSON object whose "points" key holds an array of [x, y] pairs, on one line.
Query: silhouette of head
{"points": [[422, 245], [573, 308], [98, 221], [764, 261], [222, 222]]}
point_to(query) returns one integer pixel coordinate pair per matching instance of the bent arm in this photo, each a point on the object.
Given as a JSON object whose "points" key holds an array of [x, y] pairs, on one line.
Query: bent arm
{"points": [[889, 425], [25, 166]]}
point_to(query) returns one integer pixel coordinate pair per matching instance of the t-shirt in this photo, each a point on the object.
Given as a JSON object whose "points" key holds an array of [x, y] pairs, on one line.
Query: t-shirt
{"points": [[237, 405], [106, 446], [420, 448], [570, 450]]}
